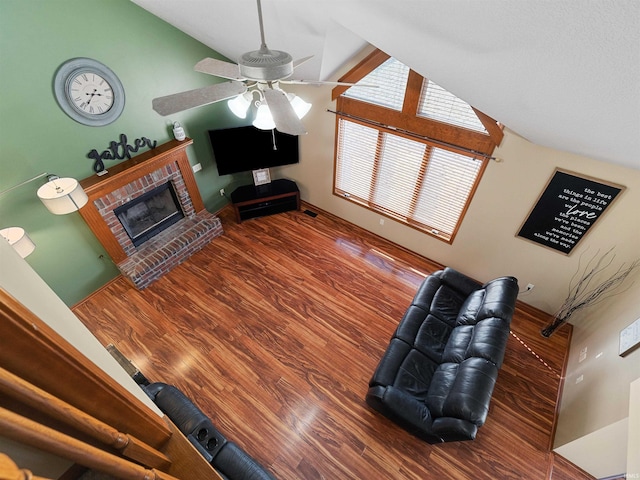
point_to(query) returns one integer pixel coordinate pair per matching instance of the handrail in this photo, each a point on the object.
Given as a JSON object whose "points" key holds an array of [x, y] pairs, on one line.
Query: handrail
{"points": [[34, 434], [57, 409]]}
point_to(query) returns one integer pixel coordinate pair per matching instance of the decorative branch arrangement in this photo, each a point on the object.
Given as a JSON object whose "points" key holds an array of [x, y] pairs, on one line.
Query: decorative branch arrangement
{"points": [[586, 293]]}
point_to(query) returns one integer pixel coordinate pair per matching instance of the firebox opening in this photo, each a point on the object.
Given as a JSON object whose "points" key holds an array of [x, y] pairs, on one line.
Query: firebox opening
{"points": [[147, 215]]}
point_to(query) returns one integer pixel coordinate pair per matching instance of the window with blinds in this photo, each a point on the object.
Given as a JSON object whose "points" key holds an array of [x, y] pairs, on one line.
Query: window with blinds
{"points": [[409, 180], [438, 104], [409, 150], [390, 80]]}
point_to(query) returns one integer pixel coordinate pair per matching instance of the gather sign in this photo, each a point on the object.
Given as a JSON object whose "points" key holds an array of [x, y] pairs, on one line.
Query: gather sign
{"points": [[567, 208]]}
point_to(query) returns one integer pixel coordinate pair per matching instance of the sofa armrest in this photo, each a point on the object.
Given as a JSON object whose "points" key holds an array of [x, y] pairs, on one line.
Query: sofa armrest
{"points": [[454, 429], [403, 410]]}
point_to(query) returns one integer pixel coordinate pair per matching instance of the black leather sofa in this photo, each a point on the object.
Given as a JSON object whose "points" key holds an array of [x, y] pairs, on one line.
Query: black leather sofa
{"points": [[437, 375]]}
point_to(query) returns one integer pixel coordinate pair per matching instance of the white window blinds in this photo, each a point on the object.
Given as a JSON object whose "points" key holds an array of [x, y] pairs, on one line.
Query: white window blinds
{"points": [[409, 180], [438, 104], [391, 80]]}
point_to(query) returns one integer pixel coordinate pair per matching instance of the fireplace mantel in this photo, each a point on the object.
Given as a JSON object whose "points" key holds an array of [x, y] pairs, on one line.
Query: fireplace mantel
{"points": [[124, 174]]}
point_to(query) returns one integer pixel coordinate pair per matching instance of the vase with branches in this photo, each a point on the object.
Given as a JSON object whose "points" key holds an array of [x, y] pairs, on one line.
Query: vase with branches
{"points": [[586, 288]]}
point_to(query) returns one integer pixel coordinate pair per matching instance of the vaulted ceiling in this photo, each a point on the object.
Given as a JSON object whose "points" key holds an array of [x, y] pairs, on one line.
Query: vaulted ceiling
{"points": [[561, 73]]}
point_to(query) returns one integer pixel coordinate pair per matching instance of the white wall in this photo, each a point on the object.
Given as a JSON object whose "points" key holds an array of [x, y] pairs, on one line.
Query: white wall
{"points": [[487, 246], [24, 284], [602, 453], [606, 452], [633, 450]]}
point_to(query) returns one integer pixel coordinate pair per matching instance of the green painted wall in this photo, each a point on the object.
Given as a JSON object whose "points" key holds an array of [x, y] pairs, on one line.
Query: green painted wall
{"points": [[150, 57]]}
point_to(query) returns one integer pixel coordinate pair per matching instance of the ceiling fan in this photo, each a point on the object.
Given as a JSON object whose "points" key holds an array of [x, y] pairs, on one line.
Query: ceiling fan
{"points": [[260, 71]]}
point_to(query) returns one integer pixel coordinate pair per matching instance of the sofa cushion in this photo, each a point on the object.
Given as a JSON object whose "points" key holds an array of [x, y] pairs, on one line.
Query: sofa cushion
{"points": [[489, 340], [441, 383], [443, 293], [456, 349], [390, 363], [489, 311], [446, 304], [468, 312], [425, 332], [414, 375]]}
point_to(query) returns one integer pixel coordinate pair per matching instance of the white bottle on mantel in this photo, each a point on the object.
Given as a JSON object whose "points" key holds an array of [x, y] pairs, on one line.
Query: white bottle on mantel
{"points": [[178, 132]]}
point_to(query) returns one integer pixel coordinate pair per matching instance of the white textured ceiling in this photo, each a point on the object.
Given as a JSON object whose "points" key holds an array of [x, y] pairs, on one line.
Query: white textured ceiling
{"points": [[561, 73]]}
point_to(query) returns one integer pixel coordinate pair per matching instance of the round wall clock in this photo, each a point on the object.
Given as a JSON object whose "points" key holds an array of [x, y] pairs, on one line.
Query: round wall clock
{"points": [[89, 92]]}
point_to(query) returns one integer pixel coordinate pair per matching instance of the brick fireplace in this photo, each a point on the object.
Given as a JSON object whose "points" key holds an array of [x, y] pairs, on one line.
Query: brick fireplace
{"points": [[129, 180]]}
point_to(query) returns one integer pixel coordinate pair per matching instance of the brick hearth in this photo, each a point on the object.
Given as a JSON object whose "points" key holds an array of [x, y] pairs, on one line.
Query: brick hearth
{"points": [[168, 249], [128, 180]]}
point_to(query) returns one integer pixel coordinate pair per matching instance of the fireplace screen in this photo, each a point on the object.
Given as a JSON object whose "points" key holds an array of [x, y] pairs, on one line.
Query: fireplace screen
{"points": [[146, 216]]}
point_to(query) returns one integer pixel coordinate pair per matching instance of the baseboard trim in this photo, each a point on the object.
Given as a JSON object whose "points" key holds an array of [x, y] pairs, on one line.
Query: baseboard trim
{"points": [[106, 285]]}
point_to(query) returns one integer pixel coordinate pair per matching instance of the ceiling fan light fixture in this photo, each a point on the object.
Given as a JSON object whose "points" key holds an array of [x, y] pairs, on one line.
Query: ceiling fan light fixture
{"points": [[240, 105], [264, 119], [299, 106]]}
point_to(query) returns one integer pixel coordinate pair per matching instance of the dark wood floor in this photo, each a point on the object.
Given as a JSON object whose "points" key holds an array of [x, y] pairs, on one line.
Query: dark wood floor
{"points": [[274, 330]]}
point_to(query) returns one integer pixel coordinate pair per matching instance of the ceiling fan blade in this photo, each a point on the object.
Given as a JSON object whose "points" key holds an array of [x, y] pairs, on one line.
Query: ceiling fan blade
{"points": [[219, 68], [318, 82], [300, 61], [282, 112], [198, 97]]}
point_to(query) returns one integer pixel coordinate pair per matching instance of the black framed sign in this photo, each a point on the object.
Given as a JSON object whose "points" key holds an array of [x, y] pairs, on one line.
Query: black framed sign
{"points": [[567, 208]]}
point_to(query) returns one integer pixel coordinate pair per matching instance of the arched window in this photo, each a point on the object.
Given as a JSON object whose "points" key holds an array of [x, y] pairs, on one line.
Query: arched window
{"points": [[409, 149]]}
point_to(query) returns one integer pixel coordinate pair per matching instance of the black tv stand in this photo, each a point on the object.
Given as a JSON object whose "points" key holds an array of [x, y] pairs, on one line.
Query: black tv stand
{"points": [[251, 201]]}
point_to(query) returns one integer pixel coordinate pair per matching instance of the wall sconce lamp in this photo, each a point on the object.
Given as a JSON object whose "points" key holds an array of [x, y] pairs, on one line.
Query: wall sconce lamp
{"points": [[59, 195]]}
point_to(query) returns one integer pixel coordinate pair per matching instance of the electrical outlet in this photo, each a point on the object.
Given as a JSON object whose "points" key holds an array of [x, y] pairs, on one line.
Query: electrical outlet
{"points": [[196, 168], [580, 378], [529, 287], [382, 221], [583, 355], [222, 192]]}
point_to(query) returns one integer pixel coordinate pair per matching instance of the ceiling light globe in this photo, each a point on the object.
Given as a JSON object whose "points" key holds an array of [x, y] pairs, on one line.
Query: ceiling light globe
{"points": [[264, 120], [300, 106], [239, 106]]}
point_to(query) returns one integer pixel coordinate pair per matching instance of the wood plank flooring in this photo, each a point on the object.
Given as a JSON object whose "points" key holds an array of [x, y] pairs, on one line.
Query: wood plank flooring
{"points": [[274, 330]]}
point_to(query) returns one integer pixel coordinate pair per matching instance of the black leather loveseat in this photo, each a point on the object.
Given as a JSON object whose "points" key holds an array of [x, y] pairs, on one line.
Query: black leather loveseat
{"points": [[437, 375]]}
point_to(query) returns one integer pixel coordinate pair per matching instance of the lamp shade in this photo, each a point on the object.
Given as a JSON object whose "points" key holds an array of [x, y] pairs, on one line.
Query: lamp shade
{"points": [[19, 240], [239, 105], [300, 106], [264, 120], [62, 196]]}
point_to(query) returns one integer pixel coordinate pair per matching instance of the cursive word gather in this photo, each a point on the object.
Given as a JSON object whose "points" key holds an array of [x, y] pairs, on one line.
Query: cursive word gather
{"points": [[118, 151]]}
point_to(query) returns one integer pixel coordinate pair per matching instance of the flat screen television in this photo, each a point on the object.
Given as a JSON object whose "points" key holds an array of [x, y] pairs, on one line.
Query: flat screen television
{"points": [[241, 149]]}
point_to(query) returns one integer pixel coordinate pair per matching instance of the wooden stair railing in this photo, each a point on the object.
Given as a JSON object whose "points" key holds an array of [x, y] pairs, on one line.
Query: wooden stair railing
{"points": [[53, 407], [34, 434], [50, 393]]}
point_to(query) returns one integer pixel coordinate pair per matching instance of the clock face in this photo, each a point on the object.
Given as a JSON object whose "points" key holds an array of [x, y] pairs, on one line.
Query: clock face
{"points": [[88, 92]]}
